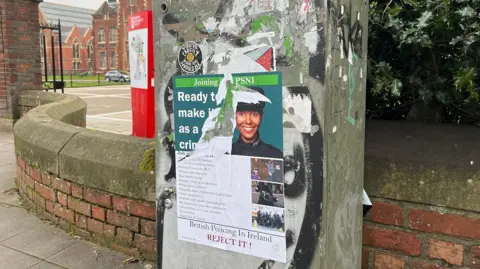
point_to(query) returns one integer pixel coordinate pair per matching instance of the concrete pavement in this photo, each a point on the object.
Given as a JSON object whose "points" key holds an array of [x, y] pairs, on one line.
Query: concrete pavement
{"points": [[26, 242]]}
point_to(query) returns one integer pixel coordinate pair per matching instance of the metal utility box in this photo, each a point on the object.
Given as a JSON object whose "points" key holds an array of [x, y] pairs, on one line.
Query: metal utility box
{"points": [[260, 116]]}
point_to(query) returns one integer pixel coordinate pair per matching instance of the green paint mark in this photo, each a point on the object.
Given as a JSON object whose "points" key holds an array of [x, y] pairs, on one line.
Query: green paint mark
{"points": [[287, 44], [352, 79], [171, 137], [227, 103], [266, 21]]}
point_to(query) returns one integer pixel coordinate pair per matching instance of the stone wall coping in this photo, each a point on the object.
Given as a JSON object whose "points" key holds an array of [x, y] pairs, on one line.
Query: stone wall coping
{"points": [[436, 164], [51, 138]]}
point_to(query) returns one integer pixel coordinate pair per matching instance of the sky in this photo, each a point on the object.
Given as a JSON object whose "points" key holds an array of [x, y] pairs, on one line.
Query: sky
{"points": [[90, 4]]}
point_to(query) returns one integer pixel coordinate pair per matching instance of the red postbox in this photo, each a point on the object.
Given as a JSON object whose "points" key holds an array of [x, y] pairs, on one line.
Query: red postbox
{"points": [[140, 47]]}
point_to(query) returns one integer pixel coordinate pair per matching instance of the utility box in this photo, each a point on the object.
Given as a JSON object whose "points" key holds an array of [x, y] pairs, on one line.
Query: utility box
{"points": [[260, 116]]}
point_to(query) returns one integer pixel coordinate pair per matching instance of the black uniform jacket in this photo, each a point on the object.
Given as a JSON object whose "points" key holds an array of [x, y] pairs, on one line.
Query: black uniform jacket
{"points": [[257, 148]]}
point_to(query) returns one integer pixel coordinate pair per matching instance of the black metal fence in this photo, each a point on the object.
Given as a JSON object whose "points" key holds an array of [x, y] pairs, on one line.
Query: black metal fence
{"points": [[88, 78], [56, 82]]}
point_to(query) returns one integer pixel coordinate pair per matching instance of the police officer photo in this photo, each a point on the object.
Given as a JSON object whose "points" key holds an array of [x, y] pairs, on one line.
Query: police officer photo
{"points": [[248, 118]]}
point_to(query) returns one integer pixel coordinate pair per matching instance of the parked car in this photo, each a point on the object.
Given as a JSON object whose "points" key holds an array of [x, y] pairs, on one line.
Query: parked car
{"points": [[117, 76]]}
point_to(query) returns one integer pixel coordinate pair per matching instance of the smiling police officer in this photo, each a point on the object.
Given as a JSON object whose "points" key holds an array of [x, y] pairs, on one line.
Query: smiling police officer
{"points": [[249, 117]]}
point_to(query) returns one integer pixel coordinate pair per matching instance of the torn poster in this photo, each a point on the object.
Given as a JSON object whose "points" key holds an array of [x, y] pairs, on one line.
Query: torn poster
{"points": [[229, 162]]}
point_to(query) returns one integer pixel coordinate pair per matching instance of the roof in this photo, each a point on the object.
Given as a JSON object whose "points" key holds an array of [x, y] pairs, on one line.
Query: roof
{"points": [[69, 16], [106, 8]]}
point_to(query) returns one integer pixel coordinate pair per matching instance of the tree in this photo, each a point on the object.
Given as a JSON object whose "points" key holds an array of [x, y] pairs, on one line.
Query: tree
{"points": [[424, 53]]}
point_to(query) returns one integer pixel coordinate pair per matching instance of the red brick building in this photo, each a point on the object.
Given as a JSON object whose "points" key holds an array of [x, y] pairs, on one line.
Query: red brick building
{"points": [[112, 17], [125, 8], [105, 37], [77, 38]]}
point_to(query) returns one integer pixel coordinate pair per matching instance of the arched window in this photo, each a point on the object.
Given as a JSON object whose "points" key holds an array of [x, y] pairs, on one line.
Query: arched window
{"points": [[90, 54], [76, 55], [76, 49]]}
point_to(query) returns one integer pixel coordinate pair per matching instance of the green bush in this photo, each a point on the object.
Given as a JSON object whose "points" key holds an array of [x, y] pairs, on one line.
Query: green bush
{"points": [[424, 52]]}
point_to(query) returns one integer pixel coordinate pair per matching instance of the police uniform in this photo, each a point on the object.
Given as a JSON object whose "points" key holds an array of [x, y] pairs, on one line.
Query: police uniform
{"points": [[257, 147]]}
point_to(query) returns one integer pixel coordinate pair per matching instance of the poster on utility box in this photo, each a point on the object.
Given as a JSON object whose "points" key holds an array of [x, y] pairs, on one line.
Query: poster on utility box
{"points": [[229, 162]]}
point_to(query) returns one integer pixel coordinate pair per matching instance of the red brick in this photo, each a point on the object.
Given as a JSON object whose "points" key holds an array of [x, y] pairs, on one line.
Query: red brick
{"points": [[30, 194], [81, 221], [80, 206], [385, 261], [77, 191], [124, 235], [109, 230], [387, 213], [62, 185], [475, 261], [28, 169], [49, 206], [98, 198], [450, 252], [38, 199], [94, 226], [400, 241], [144, 243], [46, 179], [45, 191], [421, 264], [122, 220], [21, 162], [365, 258], [120, 204], [29, 181], [64, 213], [62, 198], [36, 175], [434, 222], [98, 213], [143, 210], [148, 227]]}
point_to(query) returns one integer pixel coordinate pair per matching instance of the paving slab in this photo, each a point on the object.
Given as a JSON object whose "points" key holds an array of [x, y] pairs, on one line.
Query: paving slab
{"points": [[46, 265], [85, 255], [42, 241], [14, 220], [11, 259]]}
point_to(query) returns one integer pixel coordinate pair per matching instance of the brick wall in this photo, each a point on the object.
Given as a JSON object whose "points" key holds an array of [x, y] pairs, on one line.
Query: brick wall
{"points": [[19, 53], [124, 10], [118, 222], [398, 235], [105, 18]]}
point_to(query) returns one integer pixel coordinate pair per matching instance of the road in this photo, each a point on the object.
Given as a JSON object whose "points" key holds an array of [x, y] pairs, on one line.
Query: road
{"points": [[109, 108]]}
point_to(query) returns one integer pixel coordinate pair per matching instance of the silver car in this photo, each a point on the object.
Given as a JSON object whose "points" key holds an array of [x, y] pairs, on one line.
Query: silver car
{"points": [[117, 76]]}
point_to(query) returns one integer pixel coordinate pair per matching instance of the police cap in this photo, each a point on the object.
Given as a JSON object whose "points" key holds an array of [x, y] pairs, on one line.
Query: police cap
{"points": [[258, 107]]}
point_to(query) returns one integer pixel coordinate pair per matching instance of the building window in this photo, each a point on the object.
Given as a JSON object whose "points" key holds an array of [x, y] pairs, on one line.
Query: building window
{"points": [[103, 60], [90, 55], [90, 50], [113, 35], [76, 50], [76, 66], [101, 35], [132, 2], [42, 52], [113, 61]]}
